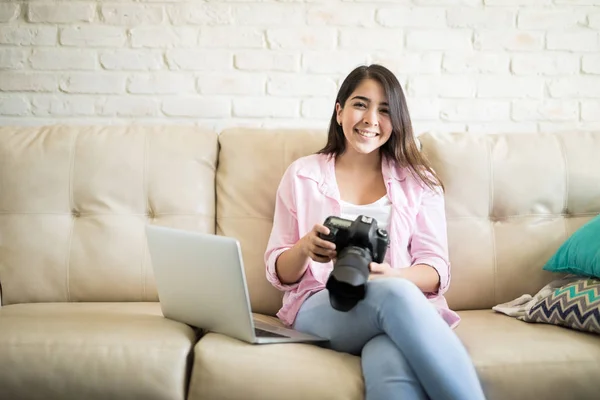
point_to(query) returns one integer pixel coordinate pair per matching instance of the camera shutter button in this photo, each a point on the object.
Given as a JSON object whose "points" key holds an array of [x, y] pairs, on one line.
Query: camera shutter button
{"points": [[365, 219], [381, 232]]}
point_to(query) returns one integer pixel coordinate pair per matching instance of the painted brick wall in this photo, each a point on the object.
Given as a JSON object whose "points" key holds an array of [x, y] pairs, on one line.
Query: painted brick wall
{"points": [[477, 65]]}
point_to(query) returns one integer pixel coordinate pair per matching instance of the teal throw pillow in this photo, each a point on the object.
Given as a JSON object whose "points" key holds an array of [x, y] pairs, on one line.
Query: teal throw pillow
{"points": [[580, 253]]}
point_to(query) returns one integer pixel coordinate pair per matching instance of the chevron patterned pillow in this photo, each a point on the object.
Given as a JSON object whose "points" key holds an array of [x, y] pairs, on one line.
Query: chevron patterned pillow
{"points": [[575, 305]]}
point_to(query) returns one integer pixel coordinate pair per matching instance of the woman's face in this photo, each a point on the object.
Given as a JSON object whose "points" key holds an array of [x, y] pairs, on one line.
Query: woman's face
{"points": [[365, 118]]}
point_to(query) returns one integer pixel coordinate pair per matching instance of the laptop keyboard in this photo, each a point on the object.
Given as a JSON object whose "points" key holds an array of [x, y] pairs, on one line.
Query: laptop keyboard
{"points": [[263, 333]]}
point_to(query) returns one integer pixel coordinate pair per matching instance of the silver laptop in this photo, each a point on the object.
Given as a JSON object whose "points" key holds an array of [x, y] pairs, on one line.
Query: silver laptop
{"points": [[200, 281]]}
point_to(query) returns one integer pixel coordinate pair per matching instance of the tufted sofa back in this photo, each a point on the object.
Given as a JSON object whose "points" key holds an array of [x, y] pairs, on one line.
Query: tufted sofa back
{"points": [[74, 202], [511, 201]]}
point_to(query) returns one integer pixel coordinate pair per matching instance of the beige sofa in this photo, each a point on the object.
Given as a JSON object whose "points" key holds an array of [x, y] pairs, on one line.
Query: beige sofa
{"points": [[80, 318]]}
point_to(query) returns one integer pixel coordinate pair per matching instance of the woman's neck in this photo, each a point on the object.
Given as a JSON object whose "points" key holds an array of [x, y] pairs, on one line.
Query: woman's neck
{"points": [[351, 161]]}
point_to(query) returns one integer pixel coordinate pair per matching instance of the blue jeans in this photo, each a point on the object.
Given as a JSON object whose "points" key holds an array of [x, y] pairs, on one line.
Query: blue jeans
{"points": [[407, 350]]}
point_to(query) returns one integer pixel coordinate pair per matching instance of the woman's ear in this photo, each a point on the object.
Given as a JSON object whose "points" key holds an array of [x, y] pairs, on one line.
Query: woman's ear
{"points": [[338, 113]]}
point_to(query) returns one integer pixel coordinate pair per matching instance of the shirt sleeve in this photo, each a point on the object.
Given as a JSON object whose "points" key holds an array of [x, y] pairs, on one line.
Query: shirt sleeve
{"points": [[429, 242], [284, 233]]}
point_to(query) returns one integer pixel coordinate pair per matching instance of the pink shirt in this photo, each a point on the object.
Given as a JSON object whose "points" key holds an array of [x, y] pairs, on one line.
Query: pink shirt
{"points": [[308, 194]]}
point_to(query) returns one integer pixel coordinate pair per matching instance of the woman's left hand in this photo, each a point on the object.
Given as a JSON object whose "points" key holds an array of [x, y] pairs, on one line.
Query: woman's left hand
{"points": [[383, 270]]}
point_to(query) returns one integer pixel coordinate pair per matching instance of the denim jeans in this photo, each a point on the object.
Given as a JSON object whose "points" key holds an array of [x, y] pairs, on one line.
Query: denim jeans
{"points": [[407, 350]]}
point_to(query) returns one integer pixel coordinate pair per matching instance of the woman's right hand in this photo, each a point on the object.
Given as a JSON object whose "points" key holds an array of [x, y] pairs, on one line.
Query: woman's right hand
{"points": [[313, 246]]}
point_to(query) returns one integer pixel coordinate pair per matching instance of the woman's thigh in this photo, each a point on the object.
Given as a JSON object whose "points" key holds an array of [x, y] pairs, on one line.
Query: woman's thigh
{"points": [[346, 331], [392, 304]]}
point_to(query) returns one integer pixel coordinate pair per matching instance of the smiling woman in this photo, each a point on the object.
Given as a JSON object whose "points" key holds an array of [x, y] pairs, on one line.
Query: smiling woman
{"points": [[366, 125], [372, 100], [365, 118], [371, 166]]}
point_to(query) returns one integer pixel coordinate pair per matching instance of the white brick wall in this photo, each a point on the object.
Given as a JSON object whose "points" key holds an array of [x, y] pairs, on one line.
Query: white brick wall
{"points": [[479, 65]]}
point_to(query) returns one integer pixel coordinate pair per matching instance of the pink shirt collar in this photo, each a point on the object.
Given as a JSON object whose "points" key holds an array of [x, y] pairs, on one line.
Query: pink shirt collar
{"points": [[324, 173]]}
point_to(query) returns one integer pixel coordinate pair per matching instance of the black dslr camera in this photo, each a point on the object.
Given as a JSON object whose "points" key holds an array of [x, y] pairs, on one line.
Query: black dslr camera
{"points": [[358, 243]]}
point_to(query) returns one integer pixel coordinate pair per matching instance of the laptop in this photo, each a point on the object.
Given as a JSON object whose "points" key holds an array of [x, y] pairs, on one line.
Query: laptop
{"points": [[201, 282]]}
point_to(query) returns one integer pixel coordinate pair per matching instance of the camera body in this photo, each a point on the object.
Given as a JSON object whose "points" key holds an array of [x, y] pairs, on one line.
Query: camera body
{"points": [[358, 243], [362, 232]]}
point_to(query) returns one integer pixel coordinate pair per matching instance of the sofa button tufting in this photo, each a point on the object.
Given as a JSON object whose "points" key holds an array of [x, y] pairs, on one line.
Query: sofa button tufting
{"points": [[75, 213]]}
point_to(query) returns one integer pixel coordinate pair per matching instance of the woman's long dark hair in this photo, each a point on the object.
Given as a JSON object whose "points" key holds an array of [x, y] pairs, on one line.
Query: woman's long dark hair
{"points": [[401, 145]]}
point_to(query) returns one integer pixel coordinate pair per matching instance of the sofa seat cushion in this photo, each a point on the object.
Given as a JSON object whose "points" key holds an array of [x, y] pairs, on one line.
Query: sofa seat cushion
{"points": [[92, 351], [514, 359], [227, 369], [519, 360]]}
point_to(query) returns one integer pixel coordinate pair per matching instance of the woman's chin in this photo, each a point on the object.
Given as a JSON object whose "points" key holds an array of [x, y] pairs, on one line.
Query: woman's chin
{"points": [[364, 148]]}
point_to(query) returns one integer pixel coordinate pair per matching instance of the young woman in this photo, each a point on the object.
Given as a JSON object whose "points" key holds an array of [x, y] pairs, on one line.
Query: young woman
{"points": [[371, 166]]}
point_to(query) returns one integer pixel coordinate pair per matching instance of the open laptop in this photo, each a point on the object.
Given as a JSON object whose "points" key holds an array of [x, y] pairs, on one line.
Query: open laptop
{"points": [[201, 282]]}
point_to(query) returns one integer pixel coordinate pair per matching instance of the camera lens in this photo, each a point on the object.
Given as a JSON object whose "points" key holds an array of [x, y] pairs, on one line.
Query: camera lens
{"points": [[346, 284]]}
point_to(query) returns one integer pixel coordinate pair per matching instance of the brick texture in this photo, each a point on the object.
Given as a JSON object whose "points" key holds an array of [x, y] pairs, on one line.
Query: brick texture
{"points": [[478, 65]]}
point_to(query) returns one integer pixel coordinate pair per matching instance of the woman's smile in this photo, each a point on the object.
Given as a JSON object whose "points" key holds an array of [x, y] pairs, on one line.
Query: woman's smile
{"points": [[366, 133]]}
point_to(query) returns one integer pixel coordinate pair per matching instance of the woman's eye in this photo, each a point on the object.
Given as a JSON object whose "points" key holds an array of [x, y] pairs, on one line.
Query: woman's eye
{"points": [[359, 105], [385, 111]]}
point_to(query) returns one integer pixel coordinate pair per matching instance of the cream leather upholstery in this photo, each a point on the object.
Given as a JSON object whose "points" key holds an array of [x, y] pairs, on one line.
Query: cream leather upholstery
{"points": [[521, 361], [224, 367], [92, 351], [251, 163], [80, 317], [74, 203], [511, 201]]}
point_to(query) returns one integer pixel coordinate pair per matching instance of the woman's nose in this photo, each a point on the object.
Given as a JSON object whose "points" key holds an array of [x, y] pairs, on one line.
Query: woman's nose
{"points": [[370, 118]]}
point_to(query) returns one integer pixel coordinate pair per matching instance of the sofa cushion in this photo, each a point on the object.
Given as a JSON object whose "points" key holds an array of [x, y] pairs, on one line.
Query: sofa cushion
{"points": [[92, 351], [514, 360], [74, 201], [580, 253], [574, 305], [228, 369], [511, 201], [521, 361], [251, 164]]}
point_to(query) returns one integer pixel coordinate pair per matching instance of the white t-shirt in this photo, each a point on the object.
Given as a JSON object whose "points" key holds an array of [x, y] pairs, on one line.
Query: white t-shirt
{"points": [[381, 211]]}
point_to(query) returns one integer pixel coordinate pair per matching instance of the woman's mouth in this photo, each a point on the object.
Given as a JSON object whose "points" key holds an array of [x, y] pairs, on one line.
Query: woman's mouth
{"points": [[367, 134]]}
